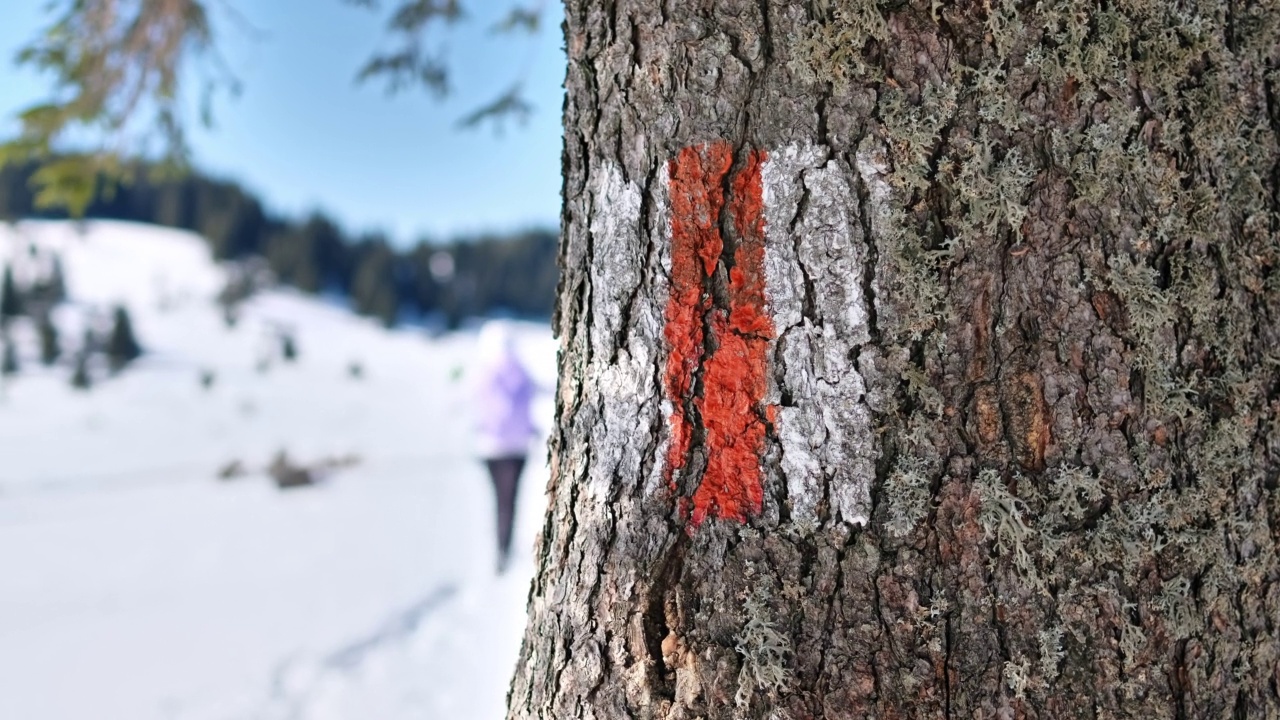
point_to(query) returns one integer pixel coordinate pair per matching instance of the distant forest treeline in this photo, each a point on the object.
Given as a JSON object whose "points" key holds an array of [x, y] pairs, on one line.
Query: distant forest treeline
{"points": [[469, 276]]}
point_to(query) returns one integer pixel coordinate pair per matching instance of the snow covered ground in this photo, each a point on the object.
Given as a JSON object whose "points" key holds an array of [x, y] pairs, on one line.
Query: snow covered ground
{"points": [[137, 585]]}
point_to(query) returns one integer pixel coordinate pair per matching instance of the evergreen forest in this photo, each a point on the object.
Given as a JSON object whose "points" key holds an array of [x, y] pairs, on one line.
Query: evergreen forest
{"points": [[512, 274]]}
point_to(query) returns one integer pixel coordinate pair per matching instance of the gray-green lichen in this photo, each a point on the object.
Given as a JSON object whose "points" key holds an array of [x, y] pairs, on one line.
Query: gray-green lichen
{"points": [[764, 652], [1132, 148]]}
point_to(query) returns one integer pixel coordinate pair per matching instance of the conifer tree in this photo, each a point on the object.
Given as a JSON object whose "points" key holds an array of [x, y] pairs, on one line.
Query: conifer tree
{"points": [[288, 347], [10, 299], [9, 363], [49, 349], [56, 284], [122, 346], [80, 379], [373, 291]]}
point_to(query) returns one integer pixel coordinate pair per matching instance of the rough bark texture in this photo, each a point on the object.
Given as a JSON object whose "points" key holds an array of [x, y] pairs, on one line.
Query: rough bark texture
{"points": [[1022, 404]]}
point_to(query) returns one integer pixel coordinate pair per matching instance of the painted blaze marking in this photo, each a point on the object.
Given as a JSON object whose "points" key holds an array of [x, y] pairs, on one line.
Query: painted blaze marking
{"points": [[734, 375]]}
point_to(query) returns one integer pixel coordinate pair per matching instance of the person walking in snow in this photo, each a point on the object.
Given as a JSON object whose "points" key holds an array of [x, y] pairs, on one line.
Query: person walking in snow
{"points": [[504, 426]]}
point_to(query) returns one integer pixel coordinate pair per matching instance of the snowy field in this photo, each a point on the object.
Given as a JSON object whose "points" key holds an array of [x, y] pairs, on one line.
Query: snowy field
{"points": [[135, 584]]}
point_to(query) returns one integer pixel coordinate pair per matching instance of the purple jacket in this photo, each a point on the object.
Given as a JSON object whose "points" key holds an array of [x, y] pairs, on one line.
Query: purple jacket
{"points": [[504, 393]]}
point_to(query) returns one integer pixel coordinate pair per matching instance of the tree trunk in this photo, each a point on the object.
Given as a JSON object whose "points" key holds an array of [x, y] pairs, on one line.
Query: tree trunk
{"points": [[919, 359]]}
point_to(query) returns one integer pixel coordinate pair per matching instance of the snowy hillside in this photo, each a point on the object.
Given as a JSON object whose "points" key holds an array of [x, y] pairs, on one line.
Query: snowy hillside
{"points": [[135, 584]]}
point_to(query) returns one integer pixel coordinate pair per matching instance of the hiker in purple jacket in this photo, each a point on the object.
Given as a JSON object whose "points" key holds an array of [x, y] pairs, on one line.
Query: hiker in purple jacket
{"points": [[504, 427]]}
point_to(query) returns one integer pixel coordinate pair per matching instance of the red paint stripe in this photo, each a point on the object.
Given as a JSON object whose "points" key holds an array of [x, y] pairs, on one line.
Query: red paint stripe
{"points": [[735, 376], [696, 176]]}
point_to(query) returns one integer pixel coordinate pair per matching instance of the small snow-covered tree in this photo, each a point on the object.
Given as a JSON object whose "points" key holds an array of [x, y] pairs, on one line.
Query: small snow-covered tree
{"points": [[80, 377], [9, 362], [288, 347], [49, 290], [10, 298], [57, 281], [122, 346], [49, 348]]}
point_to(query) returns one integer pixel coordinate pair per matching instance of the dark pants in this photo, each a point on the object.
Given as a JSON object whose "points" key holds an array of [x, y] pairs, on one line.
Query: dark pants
{"points": [[505, 473]]}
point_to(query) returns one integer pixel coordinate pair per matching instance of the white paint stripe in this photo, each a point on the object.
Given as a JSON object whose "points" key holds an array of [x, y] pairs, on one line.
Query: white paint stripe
{"points": [[826, 435]]}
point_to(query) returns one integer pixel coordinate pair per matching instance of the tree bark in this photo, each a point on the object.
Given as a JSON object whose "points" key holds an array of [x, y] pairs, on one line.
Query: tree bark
{"points": [[919, 359]]}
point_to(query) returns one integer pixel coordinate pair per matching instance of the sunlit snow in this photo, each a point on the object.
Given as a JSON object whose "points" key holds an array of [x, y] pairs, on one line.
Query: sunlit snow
{"points": [[137, 585]]}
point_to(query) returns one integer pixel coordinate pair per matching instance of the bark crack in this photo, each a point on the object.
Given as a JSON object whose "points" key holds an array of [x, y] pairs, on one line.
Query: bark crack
{"points": [[946, 669], [834, 603], [808, 308], [873, 255], [661, 593]]}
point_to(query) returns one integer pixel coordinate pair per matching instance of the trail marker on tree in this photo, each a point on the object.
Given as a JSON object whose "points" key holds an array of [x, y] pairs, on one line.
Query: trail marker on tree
{"points": [[732, 404]]}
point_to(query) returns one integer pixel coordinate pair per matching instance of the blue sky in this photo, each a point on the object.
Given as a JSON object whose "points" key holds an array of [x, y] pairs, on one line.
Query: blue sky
{"points": [[304, 136]]}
